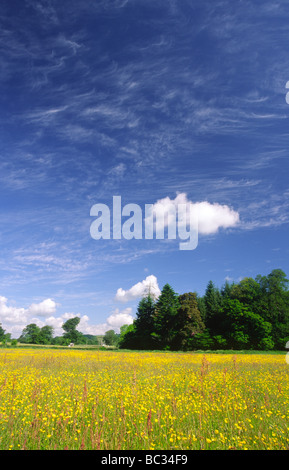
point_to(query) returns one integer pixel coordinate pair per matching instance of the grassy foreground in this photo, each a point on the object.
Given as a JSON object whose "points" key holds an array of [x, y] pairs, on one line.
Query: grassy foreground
{"points": [[73, 399]]}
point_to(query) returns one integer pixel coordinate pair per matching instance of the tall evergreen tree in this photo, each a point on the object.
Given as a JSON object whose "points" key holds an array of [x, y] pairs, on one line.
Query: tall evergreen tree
{"points": [[139, 334], [164, 318], [144, 322], [213, 302], [226, 290]]}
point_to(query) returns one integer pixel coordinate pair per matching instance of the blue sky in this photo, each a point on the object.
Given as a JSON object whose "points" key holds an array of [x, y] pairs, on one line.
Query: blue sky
{"points": [[143, 99]]}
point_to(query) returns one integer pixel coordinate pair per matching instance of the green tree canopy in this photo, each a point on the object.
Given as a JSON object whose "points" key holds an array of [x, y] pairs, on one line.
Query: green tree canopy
{"points": [[45, 335], [242, 328], [188, 322], [110, 338], [2, 333], [247, 291], [128, 338], [71, 334], [226, 290], [30, 334]]}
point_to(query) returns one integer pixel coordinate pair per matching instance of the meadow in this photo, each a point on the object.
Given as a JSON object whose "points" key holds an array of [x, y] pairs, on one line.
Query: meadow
{"points": [[118, 400]]}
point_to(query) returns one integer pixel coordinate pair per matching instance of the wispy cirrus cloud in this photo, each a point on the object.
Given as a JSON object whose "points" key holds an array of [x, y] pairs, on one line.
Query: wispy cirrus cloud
{"points": [[144, 99]]}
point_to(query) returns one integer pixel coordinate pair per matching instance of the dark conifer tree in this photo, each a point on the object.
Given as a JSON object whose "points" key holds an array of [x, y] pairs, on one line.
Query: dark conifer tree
{"points": [[213, 302], [144, 322], [164, 318]]}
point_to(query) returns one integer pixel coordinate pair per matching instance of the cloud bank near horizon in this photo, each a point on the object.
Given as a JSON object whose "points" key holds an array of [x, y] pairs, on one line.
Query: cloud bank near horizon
{"points": [[14, 319]]}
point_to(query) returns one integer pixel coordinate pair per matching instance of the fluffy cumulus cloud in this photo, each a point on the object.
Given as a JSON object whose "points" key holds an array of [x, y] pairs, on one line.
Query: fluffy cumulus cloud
{"points": [[14, 319], [114, 321], [118, 319], [11, 314], [148, 285], [45, 308], [209, 217], [212, 217]]}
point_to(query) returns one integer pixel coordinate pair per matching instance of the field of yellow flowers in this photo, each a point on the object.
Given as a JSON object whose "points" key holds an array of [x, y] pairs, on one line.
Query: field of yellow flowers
{"points": [[72, 399]]}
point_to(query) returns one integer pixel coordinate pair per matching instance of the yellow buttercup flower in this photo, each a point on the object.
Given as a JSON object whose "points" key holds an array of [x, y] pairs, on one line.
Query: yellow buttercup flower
{"points": [[84, 399]]}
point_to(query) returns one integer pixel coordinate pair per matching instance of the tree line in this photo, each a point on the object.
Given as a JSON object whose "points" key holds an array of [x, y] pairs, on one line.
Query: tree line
{"points": [[33, 334], [251, 314]]}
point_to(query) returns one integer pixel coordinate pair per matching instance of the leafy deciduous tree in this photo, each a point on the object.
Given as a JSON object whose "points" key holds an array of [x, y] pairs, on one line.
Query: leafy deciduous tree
{"points": [[71, 334], [2, 333], [244, 329], [45, 335], [110, 338], [188, 322], [30, 334]]}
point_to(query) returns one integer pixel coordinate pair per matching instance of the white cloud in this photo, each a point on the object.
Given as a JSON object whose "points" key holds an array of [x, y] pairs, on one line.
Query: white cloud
{"points": [[11, 314], [148, 285], [45, 308], [15, 319], [211, 217], [118, 319]]}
